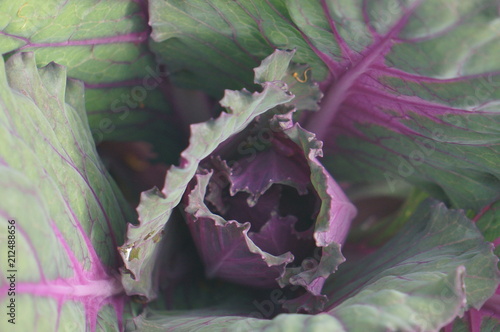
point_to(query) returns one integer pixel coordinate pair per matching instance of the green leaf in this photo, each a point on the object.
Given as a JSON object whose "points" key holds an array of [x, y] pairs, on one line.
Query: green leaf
{"points": [[69, 215], [103, 44], [214, 44], [437, 267], [214, 320], [452, 156], [411, 87]]}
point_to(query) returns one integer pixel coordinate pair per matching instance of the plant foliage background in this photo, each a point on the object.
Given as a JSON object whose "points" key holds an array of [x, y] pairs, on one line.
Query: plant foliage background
{"points": [[383, 98]]}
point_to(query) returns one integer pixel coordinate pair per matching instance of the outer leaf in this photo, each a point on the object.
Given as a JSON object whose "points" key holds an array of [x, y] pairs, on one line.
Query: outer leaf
{"points": [[435, 268], [460, 273], [212, 320], [69, 214], [488, 317], [104, 44], [140, 250], [407, 96]]}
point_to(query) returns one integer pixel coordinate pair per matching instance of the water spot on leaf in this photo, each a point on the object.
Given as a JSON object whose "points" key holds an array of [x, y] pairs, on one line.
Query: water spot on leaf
{"points": [[158, 236], [134, 253], [148, 235], [126, 251], [127, 271]]}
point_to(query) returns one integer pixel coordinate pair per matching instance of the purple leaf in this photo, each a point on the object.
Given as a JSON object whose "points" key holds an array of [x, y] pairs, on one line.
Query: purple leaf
{"points": [[225, 247]]}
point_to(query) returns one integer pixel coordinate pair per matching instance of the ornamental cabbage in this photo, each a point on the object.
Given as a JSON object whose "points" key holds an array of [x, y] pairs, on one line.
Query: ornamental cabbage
{"points": [[278, 165]]}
